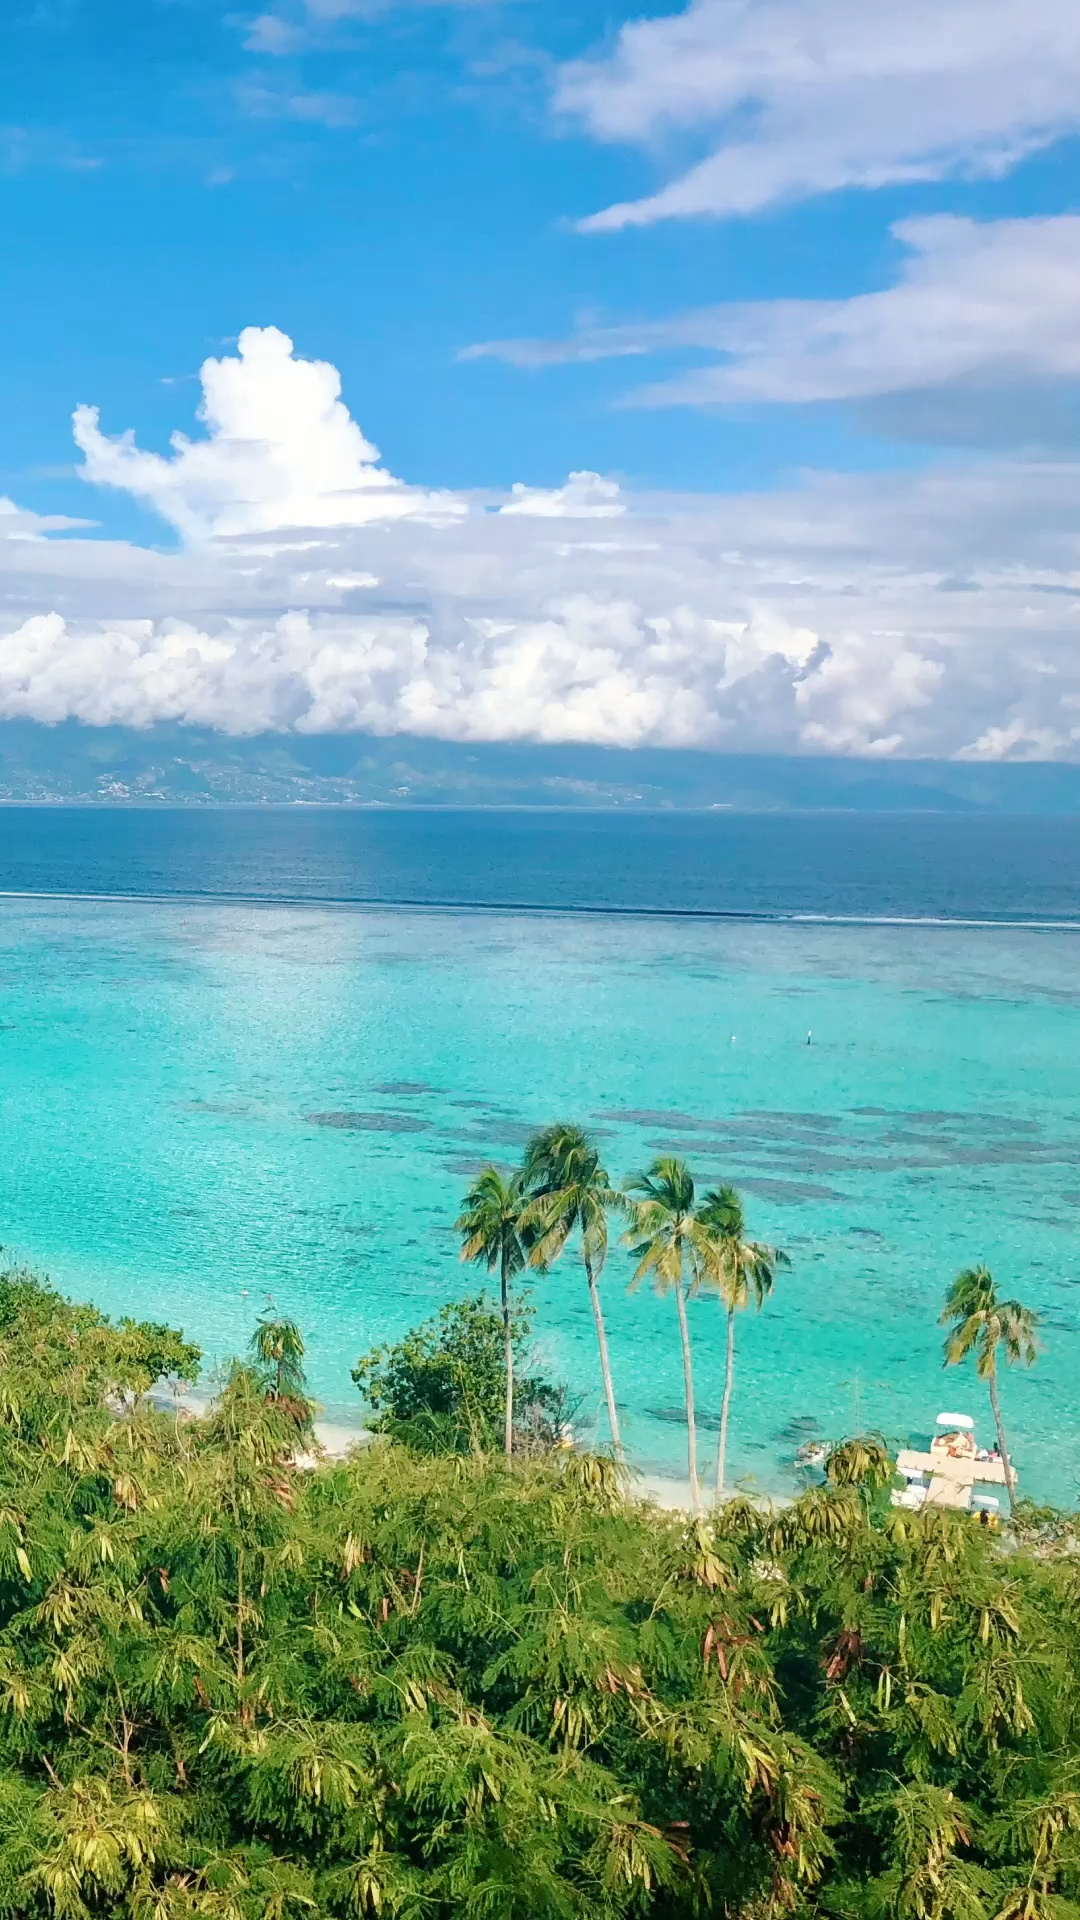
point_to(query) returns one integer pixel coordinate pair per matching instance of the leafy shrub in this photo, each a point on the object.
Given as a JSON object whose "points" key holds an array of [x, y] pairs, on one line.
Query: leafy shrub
{"points": [[442, 1388]]}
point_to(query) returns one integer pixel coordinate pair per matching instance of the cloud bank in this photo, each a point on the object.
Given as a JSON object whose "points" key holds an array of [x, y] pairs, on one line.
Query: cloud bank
{"points": [[934, 613], [791, 98]]}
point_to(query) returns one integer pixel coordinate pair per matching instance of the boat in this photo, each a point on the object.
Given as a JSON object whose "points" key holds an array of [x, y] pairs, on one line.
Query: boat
{"points": [[946, 1474]]}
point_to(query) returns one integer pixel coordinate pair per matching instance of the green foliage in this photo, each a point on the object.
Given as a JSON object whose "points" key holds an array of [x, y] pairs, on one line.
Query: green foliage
{"points": [[987, 1326], [277, 1349], [490, 1224], [863, 1461], [739, 1270], [984, 1324], [441, 1389], [569, 1192], [672, 1244], [494, 1235], [438, 1686]]}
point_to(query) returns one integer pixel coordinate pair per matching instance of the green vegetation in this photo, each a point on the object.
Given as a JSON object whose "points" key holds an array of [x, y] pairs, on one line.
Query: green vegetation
{"points": [[463, 1674], [431, 1685], [441, 1388], [674, 1248], [739, 1272], [492, 1235], [277, 1347], [525, 1220], [569, 1192]]}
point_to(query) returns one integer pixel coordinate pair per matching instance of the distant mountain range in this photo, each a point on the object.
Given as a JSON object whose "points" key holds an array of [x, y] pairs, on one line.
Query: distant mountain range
{"points": [[186, 766]]}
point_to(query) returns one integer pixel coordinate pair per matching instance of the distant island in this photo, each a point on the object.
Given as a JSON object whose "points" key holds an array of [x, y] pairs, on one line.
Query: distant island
{"points": [[185, 766]]}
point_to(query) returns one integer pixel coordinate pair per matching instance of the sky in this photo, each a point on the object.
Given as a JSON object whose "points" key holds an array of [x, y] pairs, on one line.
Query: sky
{"points": [[491, 370]]}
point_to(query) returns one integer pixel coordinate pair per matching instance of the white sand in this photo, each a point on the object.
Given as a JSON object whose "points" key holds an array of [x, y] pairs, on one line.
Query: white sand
{"points": [[333, 1442]]}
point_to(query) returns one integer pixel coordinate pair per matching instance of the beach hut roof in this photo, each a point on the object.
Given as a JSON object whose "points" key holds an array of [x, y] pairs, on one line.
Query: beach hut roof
{"points": [[956, 1420]]}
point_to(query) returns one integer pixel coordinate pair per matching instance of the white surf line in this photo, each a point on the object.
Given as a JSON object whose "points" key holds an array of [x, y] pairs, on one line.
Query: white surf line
{"points": [[760, 916]]}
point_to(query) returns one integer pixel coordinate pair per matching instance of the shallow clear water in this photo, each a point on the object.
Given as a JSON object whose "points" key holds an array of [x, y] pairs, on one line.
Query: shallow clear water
{"points": [[160, 1063]]}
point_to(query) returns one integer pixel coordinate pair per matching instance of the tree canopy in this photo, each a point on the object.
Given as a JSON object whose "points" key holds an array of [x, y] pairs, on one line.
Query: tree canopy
{"points": [[435, 1685]]}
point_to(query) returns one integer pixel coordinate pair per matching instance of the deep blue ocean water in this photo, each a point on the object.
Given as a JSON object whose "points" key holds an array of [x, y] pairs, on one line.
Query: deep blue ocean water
{"points": [[861, 865], [253, 1073]]}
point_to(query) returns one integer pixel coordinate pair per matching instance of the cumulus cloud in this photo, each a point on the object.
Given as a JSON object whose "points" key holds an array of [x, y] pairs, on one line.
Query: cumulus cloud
{"points": [[282, 451], [906, 614], [586, 496], [861, 689], [796, 97], [592, 668]]}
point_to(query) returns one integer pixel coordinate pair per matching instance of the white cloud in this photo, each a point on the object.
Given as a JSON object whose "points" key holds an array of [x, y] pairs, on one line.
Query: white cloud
{"points": [[586, 496], [590, 669], [334, 110], [270, 33], [931, 613], [798, 97], [983, 308], [16, 523], [999, 302], [301, 21], [1017, 741], [282, 452], [865, 684]]}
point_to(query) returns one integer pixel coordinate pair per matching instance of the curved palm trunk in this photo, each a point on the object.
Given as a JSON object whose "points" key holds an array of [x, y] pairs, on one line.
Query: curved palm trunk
{"points": [[605, 1364], [1010, 1478], [688, 1390], [508, 1350], [725, 1404]]}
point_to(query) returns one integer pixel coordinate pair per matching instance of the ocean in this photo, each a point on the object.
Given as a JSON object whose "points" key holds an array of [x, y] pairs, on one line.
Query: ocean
{"points": [[254, 1056]]}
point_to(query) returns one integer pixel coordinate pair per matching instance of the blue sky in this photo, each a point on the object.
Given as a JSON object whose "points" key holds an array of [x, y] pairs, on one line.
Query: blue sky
{"points": [[812, 252]]}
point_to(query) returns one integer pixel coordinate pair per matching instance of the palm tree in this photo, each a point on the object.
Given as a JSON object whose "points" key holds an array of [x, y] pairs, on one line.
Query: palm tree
{"points": [[738, 1270], [492, 1236], [674, 1246], [570, 1190], [983, 1325]]}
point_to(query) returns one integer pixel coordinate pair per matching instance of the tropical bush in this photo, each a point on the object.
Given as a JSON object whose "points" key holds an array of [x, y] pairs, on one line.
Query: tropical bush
{"points": [[442, 1389], [441, 1685]]}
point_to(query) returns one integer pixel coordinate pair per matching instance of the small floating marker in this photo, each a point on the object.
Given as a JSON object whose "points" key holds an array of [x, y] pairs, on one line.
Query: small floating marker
{"points": [[809, 1036], [733, 1039]]}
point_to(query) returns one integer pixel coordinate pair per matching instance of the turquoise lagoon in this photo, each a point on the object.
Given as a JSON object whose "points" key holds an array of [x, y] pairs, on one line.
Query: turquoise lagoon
{"points": [[204, 1105]]}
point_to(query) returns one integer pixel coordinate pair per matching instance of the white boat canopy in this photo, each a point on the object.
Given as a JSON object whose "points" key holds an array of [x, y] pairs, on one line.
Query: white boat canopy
{"points": [[963, 1420]]}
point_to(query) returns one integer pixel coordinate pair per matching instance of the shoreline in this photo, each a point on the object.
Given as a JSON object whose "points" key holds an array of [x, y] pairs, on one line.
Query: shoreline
{"points": [[337, 1439]]}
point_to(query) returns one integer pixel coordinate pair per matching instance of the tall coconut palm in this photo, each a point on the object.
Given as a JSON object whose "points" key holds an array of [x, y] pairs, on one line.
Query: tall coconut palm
{"points": [[985, 1325], [673, 1245], [738, 1271], [570, 1191], [492, 1236]]}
